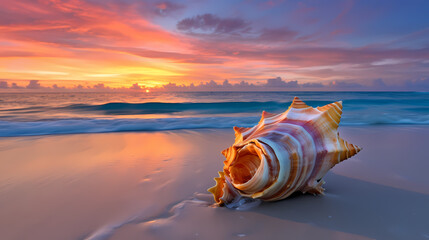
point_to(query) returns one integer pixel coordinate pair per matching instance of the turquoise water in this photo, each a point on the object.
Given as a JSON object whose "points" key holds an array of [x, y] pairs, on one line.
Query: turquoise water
{"points": [[24, 114]]}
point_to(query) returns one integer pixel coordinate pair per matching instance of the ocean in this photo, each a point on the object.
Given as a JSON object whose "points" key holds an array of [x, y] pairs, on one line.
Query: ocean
{"points": [[27, 114]]}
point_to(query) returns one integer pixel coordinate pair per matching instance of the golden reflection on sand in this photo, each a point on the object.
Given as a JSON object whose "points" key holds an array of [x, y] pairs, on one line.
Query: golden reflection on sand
{"points": [[33, 158]]}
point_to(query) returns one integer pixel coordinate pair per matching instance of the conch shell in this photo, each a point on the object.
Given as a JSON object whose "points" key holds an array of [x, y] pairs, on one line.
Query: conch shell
{"points": [[282, 154]]}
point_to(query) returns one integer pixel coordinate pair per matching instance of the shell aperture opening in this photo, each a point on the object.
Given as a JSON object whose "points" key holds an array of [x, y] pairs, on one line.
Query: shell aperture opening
{"points": [[245, 165]]}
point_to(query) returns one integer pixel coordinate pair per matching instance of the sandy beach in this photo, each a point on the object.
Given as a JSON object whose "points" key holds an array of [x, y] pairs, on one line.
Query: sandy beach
{"points": [[152, 185]]}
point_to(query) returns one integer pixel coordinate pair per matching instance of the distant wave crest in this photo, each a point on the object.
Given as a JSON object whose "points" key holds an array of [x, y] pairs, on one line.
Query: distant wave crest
{"points": [[118, 108], [70, 126]]}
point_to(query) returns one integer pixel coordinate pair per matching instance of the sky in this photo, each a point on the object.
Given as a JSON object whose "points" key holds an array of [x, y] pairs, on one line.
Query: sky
{"points": [[222, 44]]}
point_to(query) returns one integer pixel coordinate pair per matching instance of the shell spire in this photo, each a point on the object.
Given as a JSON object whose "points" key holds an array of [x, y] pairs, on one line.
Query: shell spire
{"points": [[284, 153]]}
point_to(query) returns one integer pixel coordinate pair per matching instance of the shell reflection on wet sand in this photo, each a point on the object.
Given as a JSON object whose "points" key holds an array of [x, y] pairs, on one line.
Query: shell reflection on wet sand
{"points": [[282, 154]]}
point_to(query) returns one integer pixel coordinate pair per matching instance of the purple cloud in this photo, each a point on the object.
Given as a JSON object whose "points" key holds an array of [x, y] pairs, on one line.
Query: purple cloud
{"points": [[34, 84], [345, 85], [212, 24], [279, 83], [4, 84], [166, 8], [56, 87], [135, 86], [100, 86], [15, 86], [420, 85]]}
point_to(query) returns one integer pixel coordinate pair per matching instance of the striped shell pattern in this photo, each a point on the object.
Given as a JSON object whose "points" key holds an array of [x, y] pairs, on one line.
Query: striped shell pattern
{"points": [[282, 154]]}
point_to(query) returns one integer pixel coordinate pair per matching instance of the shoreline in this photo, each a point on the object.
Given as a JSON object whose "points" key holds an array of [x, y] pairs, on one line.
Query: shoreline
{"points": [[123, 185], [360, 126]]}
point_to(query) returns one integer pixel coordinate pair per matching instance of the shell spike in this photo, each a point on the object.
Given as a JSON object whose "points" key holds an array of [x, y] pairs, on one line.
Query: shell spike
{"points": [[263, 116], [331, 115], [297, 103], [348, 150], [236, 129], [223, 191], [217, 190], [240, 130], [267, 114], [314, 187], [338, 105], [238, 133], [262, 120], [225, 152]]}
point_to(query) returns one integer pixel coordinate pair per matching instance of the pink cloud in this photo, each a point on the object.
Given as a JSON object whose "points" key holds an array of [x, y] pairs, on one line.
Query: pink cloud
{"points": [[78, 23]]}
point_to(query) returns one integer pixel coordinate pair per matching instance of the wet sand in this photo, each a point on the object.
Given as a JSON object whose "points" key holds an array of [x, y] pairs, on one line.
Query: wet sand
{"points": [[153, 186]]}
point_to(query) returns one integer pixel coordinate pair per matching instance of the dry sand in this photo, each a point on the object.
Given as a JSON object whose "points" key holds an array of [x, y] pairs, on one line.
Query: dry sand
{"points": [[153, 186]]}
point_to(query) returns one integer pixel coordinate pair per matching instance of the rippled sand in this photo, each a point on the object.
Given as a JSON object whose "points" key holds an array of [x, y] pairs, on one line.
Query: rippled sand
{"points": [[153, 186]]}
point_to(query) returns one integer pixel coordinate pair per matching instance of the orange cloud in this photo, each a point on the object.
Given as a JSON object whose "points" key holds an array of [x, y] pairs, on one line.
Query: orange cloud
{"points": [[77, 40]]}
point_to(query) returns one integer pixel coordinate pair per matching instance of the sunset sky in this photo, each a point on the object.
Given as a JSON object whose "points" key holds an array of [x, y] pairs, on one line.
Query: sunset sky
{"points": [[119, 43]]}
